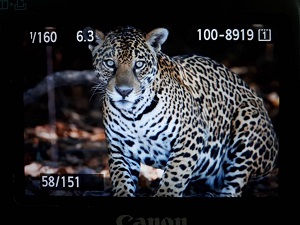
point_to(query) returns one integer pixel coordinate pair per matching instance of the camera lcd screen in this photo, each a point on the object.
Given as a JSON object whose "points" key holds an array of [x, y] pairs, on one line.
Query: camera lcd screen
{"points": [[61, 151]]}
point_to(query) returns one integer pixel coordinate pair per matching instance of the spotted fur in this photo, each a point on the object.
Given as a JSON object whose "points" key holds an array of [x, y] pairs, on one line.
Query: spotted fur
{"points": [[188, 115]]}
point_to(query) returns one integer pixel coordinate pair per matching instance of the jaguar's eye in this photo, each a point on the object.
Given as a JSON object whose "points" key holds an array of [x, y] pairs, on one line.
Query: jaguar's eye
{"points": [[109, 63], [139, 64]]}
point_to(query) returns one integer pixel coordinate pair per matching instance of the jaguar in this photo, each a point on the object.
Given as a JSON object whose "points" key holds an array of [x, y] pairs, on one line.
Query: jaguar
{"points": [[188, 115]]}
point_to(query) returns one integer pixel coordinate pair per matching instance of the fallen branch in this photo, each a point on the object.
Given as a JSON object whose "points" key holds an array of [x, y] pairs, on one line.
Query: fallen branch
{"points": [[58, 79]]}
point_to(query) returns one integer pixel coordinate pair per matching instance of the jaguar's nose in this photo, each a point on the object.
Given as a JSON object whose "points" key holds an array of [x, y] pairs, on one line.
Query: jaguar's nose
{"points": [[124, 91]]}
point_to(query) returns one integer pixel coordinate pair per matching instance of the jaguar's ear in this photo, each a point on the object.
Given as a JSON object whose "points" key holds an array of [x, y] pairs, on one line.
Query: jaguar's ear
{"points": [[157, 37], [93, 36]]}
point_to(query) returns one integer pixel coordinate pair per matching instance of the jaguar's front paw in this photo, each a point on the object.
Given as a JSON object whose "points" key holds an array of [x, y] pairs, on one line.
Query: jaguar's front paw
{"points": [[167, 194], [202, 195]]}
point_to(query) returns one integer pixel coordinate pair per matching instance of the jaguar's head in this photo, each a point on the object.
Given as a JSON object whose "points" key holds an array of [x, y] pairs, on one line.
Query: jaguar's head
{"points": [[125, 61]]}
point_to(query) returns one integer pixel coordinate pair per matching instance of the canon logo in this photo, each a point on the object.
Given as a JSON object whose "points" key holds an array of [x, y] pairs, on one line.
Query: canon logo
{"points": [[129, 220]]}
